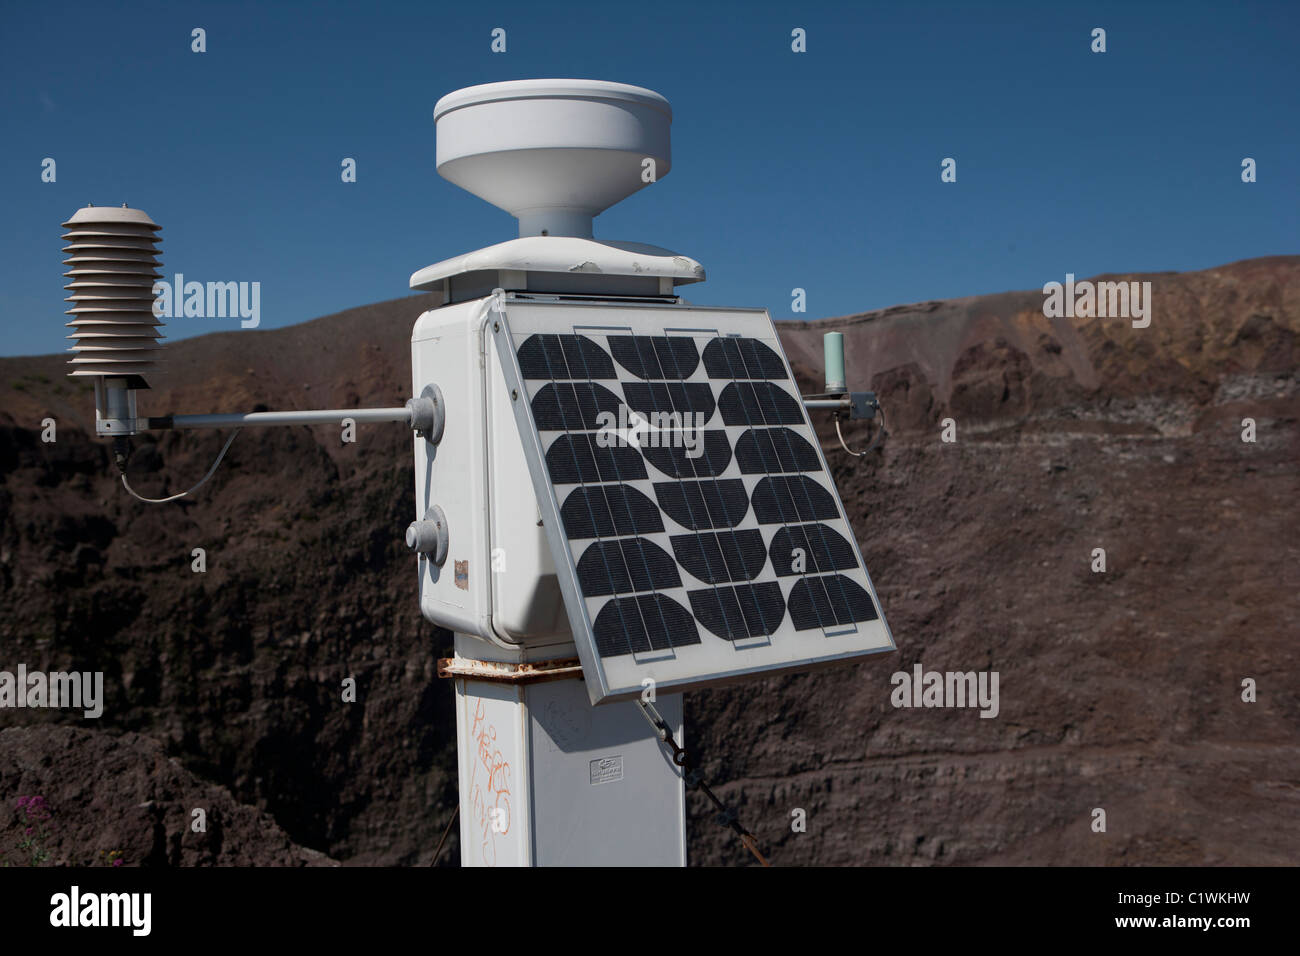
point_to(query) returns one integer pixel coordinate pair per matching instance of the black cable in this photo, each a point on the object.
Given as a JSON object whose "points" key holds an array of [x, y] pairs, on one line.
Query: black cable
{"points": [[438, 852]]}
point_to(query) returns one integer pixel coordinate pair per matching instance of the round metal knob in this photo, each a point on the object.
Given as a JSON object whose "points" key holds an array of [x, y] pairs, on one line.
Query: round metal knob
{"points": [[428, 414], [428, 536]]}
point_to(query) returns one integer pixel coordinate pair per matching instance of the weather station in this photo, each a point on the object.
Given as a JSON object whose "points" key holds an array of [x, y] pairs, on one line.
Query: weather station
{"points": [[619, 496]]}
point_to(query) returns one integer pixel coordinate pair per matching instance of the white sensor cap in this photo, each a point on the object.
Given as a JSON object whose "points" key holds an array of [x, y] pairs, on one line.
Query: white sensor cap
{"points": [[553, 153]]}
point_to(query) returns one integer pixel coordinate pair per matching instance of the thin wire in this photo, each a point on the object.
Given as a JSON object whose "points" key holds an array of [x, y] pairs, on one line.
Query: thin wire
{"points": [[438, 852], [880, 433], [158, 501]]}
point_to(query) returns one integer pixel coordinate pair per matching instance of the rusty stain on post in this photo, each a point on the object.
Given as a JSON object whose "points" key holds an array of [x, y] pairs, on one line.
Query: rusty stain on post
{"points": [[508, 672]]}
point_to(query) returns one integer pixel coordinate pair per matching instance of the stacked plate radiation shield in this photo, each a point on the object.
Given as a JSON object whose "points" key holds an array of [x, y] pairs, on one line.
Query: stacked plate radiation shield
{"points": [[112, 260]]}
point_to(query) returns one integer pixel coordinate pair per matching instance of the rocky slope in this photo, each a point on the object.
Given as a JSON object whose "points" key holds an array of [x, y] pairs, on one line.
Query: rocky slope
{"points": [[119, 800], [1118, 690]]}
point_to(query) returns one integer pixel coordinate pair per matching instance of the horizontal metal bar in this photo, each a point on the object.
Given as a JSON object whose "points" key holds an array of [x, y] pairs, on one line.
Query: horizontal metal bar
{"points": [[324, 416], [333, 416], [509, 673]]}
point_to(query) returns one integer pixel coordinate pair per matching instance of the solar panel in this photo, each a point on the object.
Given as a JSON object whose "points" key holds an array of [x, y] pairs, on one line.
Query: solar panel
{"points": [[695, 529]]}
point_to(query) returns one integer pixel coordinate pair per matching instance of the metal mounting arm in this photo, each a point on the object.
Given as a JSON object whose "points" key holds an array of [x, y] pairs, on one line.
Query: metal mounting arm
{"points": [[324, 416], [115, 417], [424, 415], [850, 405], [853, 405]]}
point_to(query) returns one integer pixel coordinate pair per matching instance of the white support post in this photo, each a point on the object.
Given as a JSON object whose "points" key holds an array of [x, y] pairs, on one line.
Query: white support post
{"points": [[548, 780]]}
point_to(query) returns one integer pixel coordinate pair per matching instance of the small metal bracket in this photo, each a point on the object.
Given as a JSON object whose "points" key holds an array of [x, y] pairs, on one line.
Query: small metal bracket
{"points": [[863, 405]]}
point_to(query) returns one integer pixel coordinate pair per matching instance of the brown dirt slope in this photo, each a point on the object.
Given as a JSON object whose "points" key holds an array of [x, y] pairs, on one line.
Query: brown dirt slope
{"points": [[1118, 691], [111, 797]]}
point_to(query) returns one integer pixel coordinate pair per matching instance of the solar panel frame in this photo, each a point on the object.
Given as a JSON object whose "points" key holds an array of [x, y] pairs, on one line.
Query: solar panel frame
{"points": [[602, 317]]}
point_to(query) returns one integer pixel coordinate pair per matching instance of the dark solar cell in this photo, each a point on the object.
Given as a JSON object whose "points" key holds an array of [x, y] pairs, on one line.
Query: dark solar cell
{"points": [[646, 622], [656, 356], [703, 504], [770, 450], [708, 456], [718, 558], [758, 403], [745, 610], [573, 406], [624, 566], [738, 358], [608, 511], [559, 357], [579, 457], [820, 549], [785, 499], [693, 398], [829, 601]]}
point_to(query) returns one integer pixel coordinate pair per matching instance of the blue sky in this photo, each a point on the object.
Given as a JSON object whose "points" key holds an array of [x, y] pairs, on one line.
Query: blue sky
{"points": [[818, 170]]}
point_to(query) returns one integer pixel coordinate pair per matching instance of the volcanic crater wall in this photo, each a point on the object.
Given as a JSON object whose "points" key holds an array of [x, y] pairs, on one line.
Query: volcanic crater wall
{"points": [[1119, 690]]}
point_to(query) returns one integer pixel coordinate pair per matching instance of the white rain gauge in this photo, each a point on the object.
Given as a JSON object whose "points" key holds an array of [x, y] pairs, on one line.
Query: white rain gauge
{"points": [[619, 496]]}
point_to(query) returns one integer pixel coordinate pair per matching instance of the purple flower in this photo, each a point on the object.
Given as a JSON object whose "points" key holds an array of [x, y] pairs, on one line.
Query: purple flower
{"points": [[117, 862], [28, 831], [34, 808]]}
